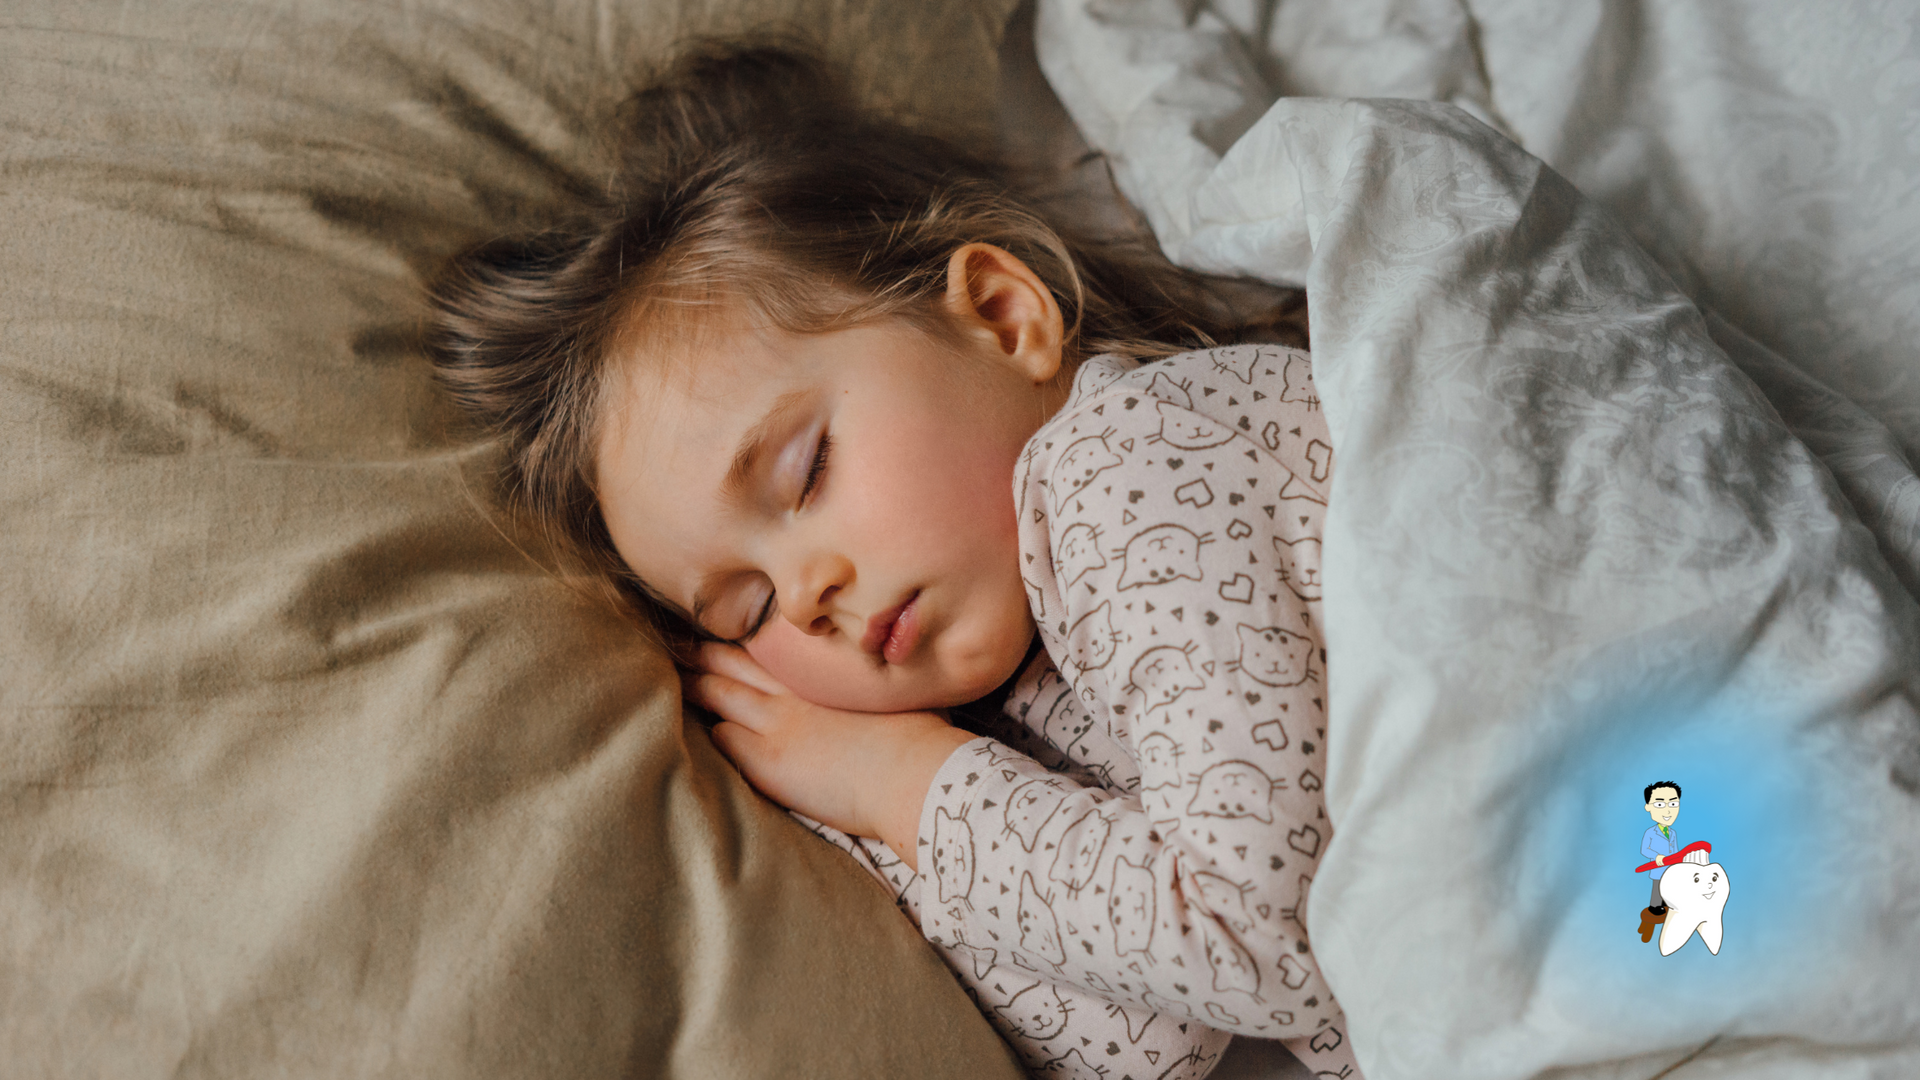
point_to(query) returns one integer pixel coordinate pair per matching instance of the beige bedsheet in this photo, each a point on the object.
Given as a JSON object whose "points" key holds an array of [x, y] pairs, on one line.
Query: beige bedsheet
{"points": [[303, 770]]}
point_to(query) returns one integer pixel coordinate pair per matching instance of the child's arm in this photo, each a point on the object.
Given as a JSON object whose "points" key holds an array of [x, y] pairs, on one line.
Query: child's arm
{"points": [[1180, 543], [1058, 1031], [805, 755]]}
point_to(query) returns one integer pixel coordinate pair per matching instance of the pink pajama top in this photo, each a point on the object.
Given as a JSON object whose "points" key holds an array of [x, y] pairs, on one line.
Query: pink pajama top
{"points": [[1120, 874]]}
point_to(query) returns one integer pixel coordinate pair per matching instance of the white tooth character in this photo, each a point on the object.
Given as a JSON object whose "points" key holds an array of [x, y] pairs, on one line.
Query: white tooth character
{"points": [[1695, 894]]}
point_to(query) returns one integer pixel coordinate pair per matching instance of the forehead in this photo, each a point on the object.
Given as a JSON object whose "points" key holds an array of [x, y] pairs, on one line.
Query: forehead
{"points": [[672, 413], [1664, 793], [668, 357]]}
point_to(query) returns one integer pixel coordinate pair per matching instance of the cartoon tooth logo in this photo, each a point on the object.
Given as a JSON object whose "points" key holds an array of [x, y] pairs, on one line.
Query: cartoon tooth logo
{"points": [[1696, 895], [1161, 554]]}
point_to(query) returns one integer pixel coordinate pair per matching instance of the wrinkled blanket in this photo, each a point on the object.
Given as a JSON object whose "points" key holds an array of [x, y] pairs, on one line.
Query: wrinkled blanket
{"points": [[1572, 549]]}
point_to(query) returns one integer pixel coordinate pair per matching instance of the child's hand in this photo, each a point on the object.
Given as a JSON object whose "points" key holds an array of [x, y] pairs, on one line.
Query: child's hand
{"points": [[865, 774]]}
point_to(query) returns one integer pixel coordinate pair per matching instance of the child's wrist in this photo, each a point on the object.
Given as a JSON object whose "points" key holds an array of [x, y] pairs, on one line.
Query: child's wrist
{"points": [[897, 816]]}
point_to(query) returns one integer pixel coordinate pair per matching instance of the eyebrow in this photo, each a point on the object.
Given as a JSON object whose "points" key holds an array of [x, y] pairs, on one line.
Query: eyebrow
{"points": [[753, 445], [746, 461]]}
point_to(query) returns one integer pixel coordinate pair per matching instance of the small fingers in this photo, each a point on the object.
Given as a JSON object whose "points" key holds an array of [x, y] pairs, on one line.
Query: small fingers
{"points": [[736, 741], [734, 662], [726, 697]]}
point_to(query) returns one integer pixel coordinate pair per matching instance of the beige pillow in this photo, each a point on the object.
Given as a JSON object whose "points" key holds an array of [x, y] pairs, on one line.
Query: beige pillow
{"points": [[303, 770]]}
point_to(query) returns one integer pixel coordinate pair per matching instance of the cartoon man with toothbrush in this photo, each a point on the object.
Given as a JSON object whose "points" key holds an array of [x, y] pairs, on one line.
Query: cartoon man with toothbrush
{"points": [[1659, 843]]}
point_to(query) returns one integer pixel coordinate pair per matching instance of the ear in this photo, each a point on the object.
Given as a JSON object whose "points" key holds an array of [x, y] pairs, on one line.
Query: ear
{"points": [[999, 300]]}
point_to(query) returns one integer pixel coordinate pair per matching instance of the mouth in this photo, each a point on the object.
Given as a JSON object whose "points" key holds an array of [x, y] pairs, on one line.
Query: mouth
{"points": [[892, 634]]}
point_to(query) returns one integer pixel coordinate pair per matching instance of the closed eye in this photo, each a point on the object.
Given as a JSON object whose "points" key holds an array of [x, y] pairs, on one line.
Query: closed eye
{"points": [[816, 472], [760, 619]]}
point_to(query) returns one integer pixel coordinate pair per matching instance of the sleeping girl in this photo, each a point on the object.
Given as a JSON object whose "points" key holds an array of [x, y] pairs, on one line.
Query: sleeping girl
{"points": [[824, 398]]}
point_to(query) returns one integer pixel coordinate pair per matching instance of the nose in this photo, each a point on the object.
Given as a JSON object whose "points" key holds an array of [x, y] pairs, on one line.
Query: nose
{"points": [[807, 596]]}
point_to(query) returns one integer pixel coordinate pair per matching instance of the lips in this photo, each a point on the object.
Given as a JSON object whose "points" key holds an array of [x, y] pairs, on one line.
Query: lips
{"points": [[892, 634]]}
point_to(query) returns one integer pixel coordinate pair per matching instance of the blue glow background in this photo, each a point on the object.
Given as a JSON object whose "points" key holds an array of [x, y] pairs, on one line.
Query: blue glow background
{"points": [[1754, 785]]}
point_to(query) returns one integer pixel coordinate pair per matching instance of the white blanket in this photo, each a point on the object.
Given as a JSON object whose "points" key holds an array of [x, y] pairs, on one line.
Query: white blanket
{"points": [[1572, 550]]}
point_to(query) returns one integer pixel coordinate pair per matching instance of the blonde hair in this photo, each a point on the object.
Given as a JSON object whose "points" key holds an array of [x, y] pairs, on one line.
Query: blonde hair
{"points": [[748, 176]]}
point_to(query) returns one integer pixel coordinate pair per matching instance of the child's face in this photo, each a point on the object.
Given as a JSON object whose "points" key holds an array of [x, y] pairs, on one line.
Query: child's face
{"points": [[872, 537]]}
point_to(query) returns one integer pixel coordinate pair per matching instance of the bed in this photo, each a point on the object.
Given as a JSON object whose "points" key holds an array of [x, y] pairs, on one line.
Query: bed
{"points": [[308, 770], [1569, 423]]}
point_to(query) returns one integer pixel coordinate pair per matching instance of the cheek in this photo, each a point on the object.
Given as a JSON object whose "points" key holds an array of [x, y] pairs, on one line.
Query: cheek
{"points": [[817, 672], [939, 497]]}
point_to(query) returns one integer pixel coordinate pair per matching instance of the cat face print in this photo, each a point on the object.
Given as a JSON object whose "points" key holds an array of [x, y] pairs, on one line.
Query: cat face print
{"points": [[1038, 1012], [980, 956], [952, 855], [1092, 640], [1161, 554], [1039, 929], [1130, 906], [1167, 390], [1076, 553], [1188, 430], [1226, 900], [1079, 852], [1297, 379], [1300, 566], [1163, 673], [1234, 789], [1238, 361], [1029, 808], [1075, 1064], [1066, 723], [1094, 378], [1272, 656], [1082, 460], [1162, 804], [1159, 754], [1233, 967]]}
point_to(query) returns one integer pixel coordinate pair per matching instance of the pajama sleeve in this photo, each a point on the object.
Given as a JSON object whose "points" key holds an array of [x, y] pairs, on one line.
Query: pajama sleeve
{"points": [[1178, 591], [1058, 1031]]}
